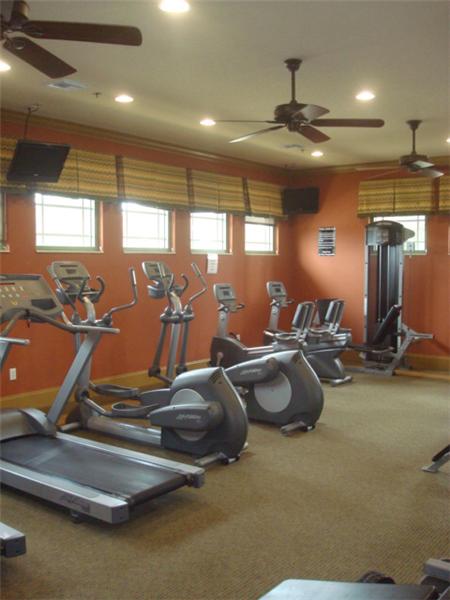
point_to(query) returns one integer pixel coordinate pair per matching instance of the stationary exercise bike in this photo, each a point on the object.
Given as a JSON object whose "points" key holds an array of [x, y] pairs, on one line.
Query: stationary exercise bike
{"points": [[200, 413], [280, 389], [322, 345]]}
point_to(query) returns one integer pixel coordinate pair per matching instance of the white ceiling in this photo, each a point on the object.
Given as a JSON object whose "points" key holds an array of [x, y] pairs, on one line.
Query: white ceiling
{"points": [[225, 59]]}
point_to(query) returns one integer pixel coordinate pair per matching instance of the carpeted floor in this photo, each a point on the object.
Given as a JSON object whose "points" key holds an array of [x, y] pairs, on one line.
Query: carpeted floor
{"points": [[331, 504]]}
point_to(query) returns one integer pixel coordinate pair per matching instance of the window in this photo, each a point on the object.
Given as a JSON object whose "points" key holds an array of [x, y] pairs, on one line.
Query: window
{"points": [[260, 235], [145, 228], [417, 223], [209, 232], [66, 223], [2, 222]]}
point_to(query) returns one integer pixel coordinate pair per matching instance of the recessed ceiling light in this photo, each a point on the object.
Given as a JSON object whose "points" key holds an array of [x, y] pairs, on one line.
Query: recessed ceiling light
{"points": [[4, 66], [124, 98], [207, 122], [174, 6], [365, 96], [448, 140], [317, 153]]}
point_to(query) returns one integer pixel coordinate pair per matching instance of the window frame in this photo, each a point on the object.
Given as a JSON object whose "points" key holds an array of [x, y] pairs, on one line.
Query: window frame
{"points": [[264, 222], [97, 249], [227, 241], [399, 218], [4, 246], [170, 249]]}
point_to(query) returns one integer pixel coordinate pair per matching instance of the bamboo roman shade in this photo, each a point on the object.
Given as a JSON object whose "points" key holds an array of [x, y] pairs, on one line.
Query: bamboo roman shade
{"points": [[154, 183], [444, 193], [7, 146], [265, 198], [221, 193], [85, 174], [395, 196]]}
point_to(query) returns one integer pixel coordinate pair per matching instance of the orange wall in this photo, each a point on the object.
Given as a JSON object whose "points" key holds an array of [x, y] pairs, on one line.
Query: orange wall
{"points": [[305, 274], [44, 363], [426, 277]]}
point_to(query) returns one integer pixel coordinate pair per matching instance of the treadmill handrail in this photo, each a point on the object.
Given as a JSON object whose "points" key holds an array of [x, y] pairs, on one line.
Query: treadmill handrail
{"points": [[65, 326]]}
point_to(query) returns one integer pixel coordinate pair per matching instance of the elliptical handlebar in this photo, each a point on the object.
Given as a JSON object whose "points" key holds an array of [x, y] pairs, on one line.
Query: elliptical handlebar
{"points": [[107, 317], [204, 289]]}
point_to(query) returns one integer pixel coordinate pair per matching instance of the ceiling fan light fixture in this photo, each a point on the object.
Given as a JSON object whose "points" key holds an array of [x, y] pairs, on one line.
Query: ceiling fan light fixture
{"points": [[124, 99], [4, 66], [317, 153], [207, 122], [174, 6], [365, 96]]}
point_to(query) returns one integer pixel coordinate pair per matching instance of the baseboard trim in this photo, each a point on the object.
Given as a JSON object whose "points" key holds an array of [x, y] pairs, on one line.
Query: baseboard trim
{"points": [[43, 399], [419, 362]]}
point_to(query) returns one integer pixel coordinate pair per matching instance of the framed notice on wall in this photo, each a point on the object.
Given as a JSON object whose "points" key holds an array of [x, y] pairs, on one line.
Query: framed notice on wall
{"points": [[327, 241]]}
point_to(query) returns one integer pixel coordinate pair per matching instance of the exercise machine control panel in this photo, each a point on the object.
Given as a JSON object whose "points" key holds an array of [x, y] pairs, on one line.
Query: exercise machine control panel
{"points": [[226, 296], [20, 293], [276, 291]]}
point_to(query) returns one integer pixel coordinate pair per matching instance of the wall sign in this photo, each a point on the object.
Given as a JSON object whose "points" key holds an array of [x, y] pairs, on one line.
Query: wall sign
{"points": [[327, 241]]}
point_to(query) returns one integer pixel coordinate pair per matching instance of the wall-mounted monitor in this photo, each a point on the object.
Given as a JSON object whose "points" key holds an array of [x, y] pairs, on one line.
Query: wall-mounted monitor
{"points": [[37, 161], [300, 200]]}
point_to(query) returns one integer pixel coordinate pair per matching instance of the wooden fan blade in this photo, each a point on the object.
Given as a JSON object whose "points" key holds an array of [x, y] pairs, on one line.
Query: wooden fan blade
{"points": [[433, 173], [83, 32], [310, 112], [241, 121], [37, 57], [375, 168], [348, 122], [312, 134], [261, 131]]}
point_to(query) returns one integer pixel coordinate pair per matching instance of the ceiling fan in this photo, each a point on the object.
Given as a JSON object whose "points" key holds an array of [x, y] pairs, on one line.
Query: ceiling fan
{"points": [[302, 118], [14, 19], [414, 163]]}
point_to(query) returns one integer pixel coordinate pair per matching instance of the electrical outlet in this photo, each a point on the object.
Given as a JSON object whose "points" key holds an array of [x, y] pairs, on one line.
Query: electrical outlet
{"points": [[13, 374]]}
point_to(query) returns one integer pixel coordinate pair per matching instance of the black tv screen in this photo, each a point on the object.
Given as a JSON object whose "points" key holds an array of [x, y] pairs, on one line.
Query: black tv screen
{"points": [[37, 161], [300, 200]]}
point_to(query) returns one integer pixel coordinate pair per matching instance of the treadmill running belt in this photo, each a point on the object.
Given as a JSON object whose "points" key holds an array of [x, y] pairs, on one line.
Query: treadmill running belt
{"points": [[107, 472]]}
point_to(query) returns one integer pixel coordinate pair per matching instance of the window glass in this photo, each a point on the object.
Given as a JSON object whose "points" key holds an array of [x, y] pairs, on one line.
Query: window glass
{"points": [[209, 232], [145, 227], [259, 235], [66, 223]]}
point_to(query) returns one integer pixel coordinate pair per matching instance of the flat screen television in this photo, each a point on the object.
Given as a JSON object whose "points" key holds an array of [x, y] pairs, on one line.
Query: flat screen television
{"points": [[300, 200], [37, 161]]}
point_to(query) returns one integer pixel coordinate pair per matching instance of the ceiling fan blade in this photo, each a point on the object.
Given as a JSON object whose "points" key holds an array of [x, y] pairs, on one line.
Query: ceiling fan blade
{"points": [[433, 173], [419, 164], [83, 32], [310, 112], [378, 168], [312, 134], [348, 122], [383, 174], [246, 137], [241, 121], [37, 57]]}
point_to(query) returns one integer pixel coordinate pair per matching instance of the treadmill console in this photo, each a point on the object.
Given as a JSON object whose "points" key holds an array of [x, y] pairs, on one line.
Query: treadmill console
{"points": [[225, 295], [276, 291], [24, 292]]}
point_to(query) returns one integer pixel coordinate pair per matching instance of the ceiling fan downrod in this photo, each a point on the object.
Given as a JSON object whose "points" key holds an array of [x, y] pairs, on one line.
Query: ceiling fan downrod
{"points": [[293, 64]]}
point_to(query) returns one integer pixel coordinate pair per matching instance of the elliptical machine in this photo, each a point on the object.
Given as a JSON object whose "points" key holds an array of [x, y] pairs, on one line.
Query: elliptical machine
{"points": [[200, 413], [279, 389], [323, 346]]}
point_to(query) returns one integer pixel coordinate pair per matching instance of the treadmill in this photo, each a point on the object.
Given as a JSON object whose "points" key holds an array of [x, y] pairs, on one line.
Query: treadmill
{"points": [[89, 478], [12, 541]]}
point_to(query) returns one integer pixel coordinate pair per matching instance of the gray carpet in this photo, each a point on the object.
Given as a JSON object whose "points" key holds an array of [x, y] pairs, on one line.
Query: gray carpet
{"points": [[331, 504]]}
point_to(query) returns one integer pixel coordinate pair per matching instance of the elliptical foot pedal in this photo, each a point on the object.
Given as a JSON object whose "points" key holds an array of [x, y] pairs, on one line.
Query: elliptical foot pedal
{"points": [[295, 426]]}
